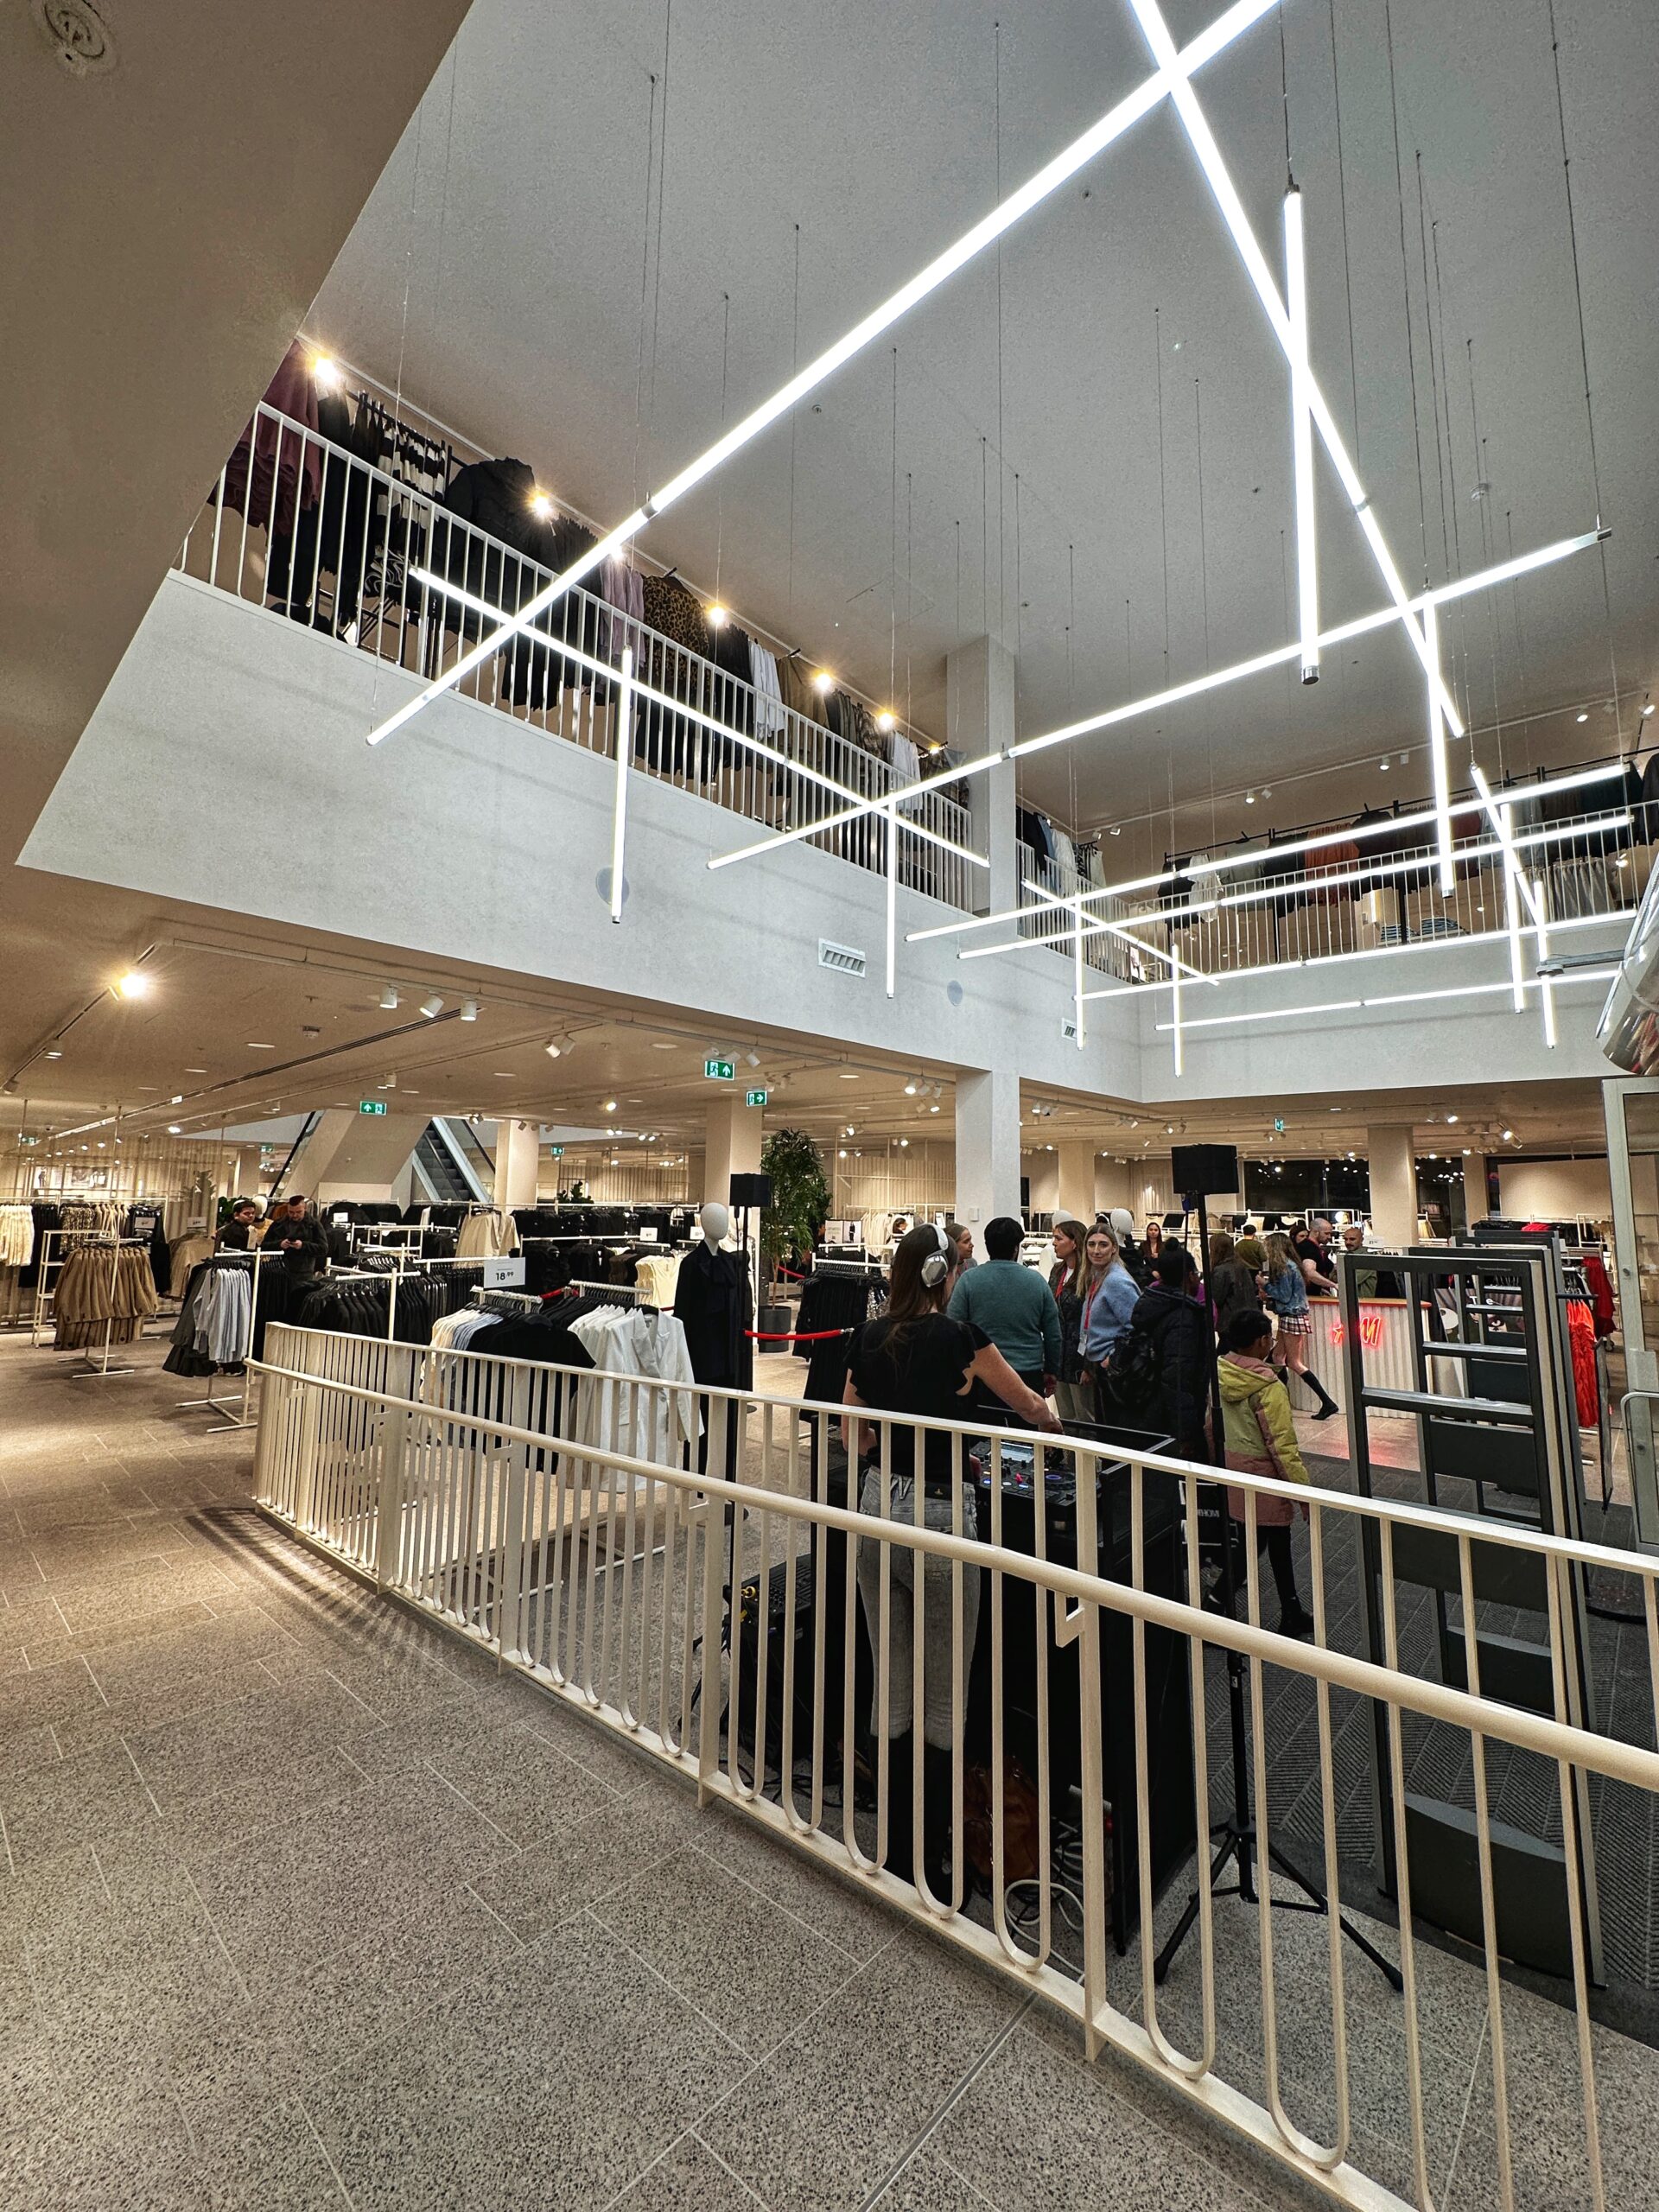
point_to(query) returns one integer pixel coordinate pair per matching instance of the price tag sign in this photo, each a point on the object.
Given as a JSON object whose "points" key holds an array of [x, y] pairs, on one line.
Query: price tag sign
{"points": [[755, 1098], [719, 1070], [504, 1274], [646, 1235]]}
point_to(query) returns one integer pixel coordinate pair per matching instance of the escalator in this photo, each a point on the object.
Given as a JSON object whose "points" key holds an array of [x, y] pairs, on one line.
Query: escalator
{"points": [[451, 1165]]}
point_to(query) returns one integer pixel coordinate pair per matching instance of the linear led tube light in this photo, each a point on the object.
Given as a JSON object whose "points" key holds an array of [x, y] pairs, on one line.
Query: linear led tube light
{"points": [[1338, 880], [1093, 927], [1002, 218], [1156, 33], [1396, 998], [1301, 441], [1339, 634], [1227, 861], [1441, 771], [619, 810], [433, 582], [1370, 953]]}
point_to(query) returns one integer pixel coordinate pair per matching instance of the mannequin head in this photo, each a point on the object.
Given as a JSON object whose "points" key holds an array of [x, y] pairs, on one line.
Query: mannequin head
{"points": [[716, 1222]]}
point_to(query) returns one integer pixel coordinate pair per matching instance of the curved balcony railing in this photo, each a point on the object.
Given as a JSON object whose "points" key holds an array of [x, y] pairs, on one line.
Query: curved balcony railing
{"points": [[313, 533]]}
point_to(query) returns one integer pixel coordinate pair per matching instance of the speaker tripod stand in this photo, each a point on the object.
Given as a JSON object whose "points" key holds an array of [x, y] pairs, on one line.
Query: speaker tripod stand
{"points": [[1240, 1846]]}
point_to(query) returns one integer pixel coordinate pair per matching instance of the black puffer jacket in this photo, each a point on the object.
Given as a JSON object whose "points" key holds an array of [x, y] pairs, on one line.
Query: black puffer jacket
{"points": [[1178, 1329]]}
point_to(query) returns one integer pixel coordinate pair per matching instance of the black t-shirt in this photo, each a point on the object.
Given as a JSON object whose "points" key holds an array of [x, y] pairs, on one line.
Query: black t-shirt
{"points": [[924, 1375], [1305, 1248]]}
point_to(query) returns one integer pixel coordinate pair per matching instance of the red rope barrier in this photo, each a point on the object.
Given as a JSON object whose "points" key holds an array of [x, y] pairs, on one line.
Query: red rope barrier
{"points": [[794, 1336]]}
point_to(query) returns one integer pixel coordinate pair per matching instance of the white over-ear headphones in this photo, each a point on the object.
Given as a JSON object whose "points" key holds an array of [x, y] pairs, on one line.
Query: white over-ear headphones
{"points": [[936, 1265]]}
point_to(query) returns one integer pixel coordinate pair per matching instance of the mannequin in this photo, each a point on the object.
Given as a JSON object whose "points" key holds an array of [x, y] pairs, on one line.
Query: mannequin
{"points": [[713, 1301]]}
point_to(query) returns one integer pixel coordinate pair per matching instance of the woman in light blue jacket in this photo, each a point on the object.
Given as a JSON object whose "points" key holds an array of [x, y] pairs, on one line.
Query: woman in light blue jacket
{"points": [[1111, 1301]]}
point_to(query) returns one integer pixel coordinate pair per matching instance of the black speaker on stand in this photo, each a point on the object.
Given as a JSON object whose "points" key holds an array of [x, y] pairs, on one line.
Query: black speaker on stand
{"points": [[1197, 1171]]}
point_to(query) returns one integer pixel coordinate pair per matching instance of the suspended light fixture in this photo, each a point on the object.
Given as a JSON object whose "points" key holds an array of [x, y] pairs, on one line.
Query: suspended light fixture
{"points": [[388, 999], [886, 719], [133, 985], [1302, 416], [469, 1009], [718, 616], [541, 507], [553, 1048], [432, 1007]]}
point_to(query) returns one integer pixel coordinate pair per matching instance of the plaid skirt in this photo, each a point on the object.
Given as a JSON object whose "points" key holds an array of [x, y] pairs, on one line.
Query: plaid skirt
{"points": [[1294, 1324]]}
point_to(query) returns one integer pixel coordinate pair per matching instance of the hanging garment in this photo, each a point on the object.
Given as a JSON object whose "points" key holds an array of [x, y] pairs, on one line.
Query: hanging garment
{"points": [[711, 1299], [770, 720], [668, 741], [100, 1286], [273, 469], [1601, 1294], [657, 1274], [734, 694], [1581, 1335], [17, 1235], [650, 1424], [801, 696], [485, 1234]]}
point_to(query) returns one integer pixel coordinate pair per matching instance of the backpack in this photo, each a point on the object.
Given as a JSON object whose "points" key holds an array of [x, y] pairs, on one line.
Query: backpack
{"points": [[1130, 1379]]}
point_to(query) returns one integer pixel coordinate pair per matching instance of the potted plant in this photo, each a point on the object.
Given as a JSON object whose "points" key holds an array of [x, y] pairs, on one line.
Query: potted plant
{"points": [[800, 1198]]}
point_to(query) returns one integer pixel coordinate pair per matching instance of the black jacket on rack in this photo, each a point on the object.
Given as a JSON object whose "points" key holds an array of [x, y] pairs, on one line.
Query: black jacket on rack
{"points": [[833, 1301], [711, 1299]]}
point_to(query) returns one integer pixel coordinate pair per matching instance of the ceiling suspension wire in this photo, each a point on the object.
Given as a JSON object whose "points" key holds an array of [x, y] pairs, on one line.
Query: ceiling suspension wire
{"points": [[1002, 441], [661, 179], [1072, 683], [644, 295], [1435, 378], [403, 343], [1520, 643], [1163, 489], [910, 607], [1584, 363], [893, 548], [984, 538], [1405, 284], [719, 489], [794, 416], [1203, 589], [1284, 97], [1451, 451], [443, 194], [1342, 202], [1019, 585]]}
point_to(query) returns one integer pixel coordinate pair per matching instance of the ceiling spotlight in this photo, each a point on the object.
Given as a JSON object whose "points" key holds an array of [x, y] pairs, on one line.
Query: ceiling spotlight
{"points": [[1451, 1118], [904, 1144], [1467, 1152], [469, 1009], [912, 1088], [718, 616], [132, 985], [325, 372], [541, 507], [1382, 767], [553, 1048], [173, 1130], [53, 1055], [1584, 718], [1249, 798], [823, 681], [754, 1059], [1509, 1136], [610, 1105], [932, 1110], [432, 1007], [886, 719], [388, 998], [1647, 710], [842, 1155]]}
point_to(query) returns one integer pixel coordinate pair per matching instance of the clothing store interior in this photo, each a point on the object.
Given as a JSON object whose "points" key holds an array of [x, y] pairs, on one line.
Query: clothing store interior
{"points": [[830, 1107]]}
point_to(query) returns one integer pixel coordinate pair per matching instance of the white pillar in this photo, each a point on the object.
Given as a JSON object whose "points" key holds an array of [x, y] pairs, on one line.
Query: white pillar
{"points": [[732, 1145], [1077, 1181], [988, 1146], [1393, 1185], [979, 679], [517, 1157]]}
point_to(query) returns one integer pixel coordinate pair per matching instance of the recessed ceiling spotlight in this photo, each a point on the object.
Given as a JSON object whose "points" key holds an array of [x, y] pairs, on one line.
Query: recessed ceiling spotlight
{"points": [[469, 1009], [261, 1048], [432, 1007], [54, 1056], [132, 985], [388, 998], [849, 1075]]}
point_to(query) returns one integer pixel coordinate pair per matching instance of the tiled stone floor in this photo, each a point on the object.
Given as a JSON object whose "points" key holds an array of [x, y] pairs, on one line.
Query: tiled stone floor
{"points": [[302, 1903]]}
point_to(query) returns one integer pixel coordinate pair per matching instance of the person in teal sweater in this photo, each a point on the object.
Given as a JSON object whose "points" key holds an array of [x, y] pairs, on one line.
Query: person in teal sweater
{"points": [[1014, 1306]]}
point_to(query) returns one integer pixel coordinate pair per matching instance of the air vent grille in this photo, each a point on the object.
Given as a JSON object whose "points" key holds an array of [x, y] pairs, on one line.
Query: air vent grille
{"points": [[841, 957]]}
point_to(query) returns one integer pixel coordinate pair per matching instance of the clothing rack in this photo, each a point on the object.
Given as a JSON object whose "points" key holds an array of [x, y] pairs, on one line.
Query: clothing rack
{"points": [[116, 1245], [864, 1270], [241, 1417]]}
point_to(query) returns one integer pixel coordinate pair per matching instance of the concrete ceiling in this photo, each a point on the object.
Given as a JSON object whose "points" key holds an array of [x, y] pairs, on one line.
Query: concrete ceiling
{"points": [[497, 274]]}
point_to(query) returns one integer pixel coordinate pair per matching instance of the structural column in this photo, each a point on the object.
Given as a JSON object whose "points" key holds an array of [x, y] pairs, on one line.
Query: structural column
{"points": [[733, 1144], [517, 1158], [1393, 1185], [1078, 1182], [988, 1147], [978, 719]]}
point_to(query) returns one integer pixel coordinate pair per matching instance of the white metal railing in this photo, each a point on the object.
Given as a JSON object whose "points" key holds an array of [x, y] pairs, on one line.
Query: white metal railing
{"points": [[351, 564], [559, 1518], [1378, 897]]}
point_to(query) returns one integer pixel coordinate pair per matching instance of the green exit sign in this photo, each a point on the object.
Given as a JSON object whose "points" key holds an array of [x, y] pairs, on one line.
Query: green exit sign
{"points": [[1278, 1128], [755, 1098], [719, 1070], [370, 1105], [29, 1139], [556, 1151]]}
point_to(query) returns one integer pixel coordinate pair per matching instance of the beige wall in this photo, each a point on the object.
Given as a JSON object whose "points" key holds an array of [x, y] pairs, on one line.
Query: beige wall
{"points": [[1552, 1190]]}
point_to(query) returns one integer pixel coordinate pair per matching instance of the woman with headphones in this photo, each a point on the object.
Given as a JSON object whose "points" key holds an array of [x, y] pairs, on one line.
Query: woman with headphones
{"points": [[915, 1361]]}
